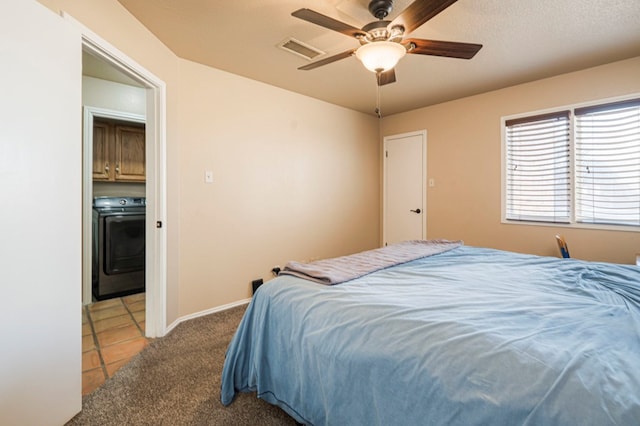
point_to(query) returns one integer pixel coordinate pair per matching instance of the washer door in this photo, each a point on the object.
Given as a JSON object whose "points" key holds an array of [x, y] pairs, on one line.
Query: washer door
{"points": [[124, 244]]}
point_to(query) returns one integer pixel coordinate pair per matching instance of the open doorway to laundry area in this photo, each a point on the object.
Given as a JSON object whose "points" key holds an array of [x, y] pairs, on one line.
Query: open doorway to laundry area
{"points": [[123, 162]]}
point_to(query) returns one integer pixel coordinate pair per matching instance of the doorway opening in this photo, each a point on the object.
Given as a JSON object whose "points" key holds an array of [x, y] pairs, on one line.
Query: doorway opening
{"points": [[115, 65]]}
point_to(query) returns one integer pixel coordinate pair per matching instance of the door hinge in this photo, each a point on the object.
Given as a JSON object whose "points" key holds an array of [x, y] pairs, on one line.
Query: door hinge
{"points": [[159, 224], [386, 154]]}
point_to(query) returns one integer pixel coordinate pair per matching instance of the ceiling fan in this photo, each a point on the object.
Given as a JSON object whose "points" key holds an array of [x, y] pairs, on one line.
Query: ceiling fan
{"points": [[382, 43]]}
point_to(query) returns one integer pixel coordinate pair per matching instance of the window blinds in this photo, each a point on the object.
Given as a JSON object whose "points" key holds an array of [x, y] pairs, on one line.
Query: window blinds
{"points": [[538, 166], [608, 163]]}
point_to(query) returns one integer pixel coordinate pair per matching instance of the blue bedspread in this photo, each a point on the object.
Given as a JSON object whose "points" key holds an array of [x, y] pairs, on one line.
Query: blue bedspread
{"points": [[470, 336]]}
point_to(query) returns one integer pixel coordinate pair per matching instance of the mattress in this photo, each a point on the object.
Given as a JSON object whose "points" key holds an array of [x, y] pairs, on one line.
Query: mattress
{"points": [[468, 336]]}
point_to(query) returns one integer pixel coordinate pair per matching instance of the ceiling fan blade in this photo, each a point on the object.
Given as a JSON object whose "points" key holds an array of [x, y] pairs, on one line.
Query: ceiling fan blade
{"points": [[450, 49], [419, 12], [386, 77], [328, 60], [327, 22]]}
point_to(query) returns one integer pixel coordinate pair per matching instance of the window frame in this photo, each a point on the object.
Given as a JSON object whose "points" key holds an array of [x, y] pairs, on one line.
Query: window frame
{"points": [[572, 214]]}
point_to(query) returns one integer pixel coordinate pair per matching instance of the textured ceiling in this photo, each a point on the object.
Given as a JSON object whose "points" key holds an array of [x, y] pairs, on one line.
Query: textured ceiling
{"points": [[523, 40]]}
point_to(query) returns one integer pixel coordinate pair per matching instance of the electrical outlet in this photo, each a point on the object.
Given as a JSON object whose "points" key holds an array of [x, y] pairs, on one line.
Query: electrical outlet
{"points": [[256, 283]]}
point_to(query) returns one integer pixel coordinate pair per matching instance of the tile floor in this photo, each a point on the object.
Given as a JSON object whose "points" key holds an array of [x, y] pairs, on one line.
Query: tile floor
{"points": [[112, 333]]}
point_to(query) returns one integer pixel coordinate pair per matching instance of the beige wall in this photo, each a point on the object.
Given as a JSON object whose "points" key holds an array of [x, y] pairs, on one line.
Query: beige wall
{"points": [[294, 178], [464, 158]]}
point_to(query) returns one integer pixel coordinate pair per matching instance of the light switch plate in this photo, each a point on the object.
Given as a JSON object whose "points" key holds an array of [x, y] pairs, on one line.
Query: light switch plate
{"points": [[208, 176]]}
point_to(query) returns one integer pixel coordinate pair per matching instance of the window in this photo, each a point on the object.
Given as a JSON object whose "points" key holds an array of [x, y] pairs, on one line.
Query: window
{"points": [[580, 165], [608, 164], [538, 187]]}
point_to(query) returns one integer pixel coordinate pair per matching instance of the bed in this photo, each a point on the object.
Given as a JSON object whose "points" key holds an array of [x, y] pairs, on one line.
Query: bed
{"points": [[465, 336]]}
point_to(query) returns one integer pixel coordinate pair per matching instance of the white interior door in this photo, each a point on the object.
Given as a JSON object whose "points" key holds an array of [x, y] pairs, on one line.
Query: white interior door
{"points": [[40, 221], [404, 187]]}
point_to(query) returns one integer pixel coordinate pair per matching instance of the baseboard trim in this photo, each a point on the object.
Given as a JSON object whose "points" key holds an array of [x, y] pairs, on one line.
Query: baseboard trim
{"points": [[206, 312]]}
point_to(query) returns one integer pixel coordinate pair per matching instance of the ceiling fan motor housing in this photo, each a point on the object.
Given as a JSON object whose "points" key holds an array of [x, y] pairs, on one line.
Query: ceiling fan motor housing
{"points": [[380, 8], [379, 31]]}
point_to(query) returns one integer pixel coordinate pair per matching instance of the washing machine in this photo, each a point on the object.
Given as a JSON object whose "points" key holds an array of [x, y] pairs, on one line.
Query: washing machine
{"points": [[118, 254]]}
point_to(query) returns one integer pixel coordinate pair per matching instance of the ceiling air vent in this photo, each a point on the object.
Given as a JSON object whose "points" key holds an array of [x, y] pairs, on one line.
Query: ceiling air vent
{"points": [[299, 48]]}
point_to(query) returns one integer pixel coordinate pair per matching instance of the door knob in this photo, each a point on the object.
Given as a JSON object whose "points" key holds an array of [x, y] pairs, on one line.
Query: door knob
{"points": [[415, 211]]}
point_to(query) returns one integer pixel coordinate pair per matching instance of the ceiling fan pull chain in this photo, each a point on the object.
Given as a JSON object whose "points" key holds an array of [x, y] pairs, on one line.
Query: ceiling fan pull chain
{"points": [[378, 111]]}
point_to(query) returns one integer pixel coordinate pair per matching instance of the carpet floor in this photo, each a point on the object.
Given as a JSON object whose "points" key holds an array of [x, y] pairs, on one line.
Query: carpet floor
{"points": [[175, 380]]}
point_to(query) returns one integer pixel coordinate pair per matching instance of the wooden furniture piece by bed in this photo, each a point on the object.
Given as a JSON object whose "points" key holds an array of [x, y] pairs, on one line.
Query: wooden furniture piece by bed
{"points": [[562, 246]]}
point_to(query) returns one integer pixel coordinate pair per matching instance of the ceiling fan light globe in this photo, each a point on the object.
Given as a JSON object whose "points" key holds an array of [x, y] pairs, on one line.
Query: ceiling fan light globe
{"points": [[380, 56]]}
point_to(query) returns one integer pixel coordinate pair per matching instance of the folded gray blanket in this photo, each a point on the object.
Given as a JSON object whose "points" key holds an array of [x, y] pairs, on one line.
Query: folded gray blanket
{"points": [[340, 269]]}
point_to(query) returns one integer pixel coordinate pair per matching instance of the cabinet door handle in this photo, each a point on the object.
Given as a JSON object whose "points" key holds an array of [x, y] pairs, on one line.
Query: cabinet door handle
{"points": [[118, 168], [106, 168]]}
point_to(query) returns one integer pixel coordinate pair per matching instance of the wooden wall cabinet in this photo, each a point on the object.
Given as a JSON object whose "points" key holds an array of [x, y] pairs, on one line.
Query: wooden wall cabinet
{"points": [[118, 152]]}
